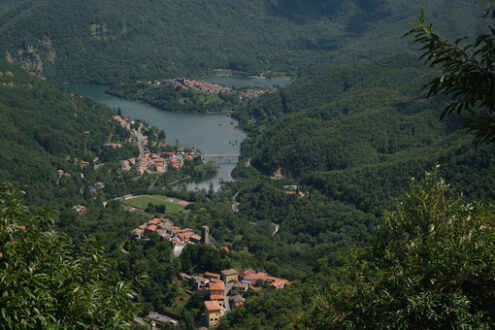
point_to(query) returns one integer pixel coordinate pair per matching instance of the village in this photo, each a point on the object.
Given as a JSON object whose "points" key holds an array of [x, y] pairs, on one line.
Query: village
{"points": [[195, 86], [224, 291], [210, 88], [148, 162]]}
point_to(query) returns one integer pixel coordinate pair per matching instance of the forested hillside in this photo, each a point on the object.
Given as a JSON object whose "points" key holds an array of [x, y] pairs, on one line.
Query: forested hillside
{"points": [[44, 130], [95, 41], [352, 136], [323, 195]]}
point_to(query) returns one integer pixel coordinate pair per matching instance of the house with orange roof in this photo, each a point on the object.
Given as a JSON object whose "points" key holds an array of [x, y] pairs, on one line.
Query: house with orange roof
{"points": [[213, 312], [218, 298], [149, 230], [216, 288], [137, 233], [175, 163], [154, 221]]}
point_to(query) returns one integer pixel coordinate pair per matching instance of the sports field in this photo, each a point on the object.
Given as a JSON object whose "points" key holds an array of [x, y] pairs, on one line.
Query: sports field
{"points": [[141, 202]]}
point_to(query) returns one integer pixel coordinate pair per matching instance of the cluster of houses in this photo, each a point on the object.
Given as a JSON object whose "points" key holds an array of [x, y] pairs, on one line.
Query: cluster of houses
{"points": [[177, 159], [156, 163], [123, 122], [165, 228], [196, 86], [226, 291], [150, 162]]}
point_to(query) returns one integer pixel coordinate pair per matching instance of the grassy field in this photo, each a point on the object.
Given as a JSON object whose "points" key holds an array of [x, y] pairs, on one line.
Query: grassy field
{"points": [[142, 202]]}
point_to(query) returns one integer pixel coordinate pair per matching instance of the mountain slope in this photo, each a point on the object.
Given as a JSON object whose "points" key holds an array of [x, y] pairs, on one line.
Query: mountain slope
{"points": [[43, 130], [355, 134], [113, 40]]}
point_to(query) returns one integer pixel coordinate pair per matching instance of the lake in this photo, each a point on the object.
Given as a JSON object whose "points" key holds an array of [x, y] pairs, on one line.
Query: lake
{"points": [[212, 134]]}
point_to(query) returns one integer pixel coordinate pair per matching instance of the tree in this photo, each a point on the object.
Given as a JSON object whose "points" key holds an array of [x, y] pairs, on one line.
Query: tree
{"points": [[468, 74], [430, 266], [45, 282]]}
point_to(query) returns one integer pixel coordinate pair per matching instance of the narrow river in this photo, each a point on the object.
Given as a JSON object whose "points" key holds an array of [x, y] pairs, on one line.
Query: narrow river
{"points": [[212, 134]]}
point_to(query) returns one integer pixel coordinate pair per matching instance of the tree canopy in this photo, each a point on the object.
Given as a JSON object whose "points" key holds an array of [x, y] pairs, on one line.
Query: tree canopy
{"points": [[45, 282], [431, 266], [468, 74]]}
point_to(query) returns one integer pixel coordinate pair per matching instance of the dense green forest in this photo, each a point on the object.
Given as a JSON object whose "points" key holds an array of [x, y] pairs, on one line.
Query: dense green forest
{"points": [[94, 41], [323, 188]]}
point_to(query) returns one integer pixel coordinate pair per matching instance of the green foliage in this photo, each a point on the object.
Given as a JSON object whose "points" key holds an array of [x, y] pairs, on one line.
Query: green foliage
{"points": [[157, 203], [201, 258], [47, 283], [197, 169], [92, 41], [175, 99], [468, 75], [431, 265]]}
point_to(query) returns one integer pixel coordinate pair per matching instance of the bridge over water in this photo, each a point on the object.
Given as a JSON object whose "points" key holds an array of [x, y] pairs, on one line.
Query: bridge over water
{"points": [[221, 155], [222, 158]]}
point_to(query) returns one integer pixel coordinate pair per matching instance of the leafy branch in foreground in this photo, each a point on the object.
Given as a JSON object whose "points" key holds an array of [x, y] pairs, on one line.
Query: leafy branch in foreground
{"points": [[468, 74], [430, 266], [45, 282]]}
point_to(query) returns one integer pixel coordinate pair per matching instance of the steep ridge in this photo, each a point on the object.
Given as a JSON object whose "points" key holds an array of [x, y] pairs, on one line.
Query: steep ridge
{"points": [[85, 41]]}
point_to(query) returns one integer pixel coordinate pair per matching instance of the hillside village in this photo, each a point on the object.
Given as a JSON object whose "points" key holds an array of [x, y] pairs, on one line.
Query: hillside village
{"points": [[149, 162], [210, 88], [194, 85], [224, 291], [165, 228], [227, 290]]}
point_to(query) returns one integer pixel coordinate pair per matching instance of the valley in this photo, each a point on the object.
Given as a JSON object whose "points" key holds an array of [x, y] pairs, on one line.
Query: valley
{"points": [[261, 164]]}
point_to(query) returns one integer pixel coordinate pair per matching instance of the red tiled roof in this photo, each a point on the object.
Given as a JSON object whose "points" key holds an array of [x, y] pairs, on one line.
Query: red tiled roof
{"points": [[152, 228], [216, 297], [216, 286], [212, 306], [154, 221], [137, 230]]}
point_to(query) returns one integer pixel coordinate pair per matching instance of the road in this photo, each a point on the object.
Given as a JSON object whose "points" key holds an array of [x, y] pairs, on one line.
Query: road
{"points": [[141, 139]]}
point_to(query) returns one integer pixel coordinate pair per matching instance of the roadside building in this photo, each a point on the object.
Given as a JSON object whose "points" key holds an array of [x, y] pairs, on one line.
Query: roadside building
{"points": [[127, 197], [218, 298], [213, 312], [230, 275], [216, 288]]}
